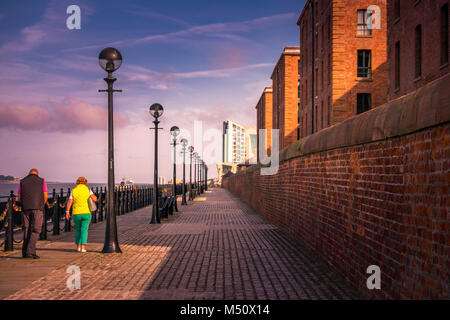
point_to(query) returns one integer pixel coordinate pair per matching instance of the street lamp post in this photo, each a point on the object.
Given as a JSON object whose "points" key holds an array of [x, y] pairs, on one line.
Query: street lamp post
{"points": [[156, 110], [198, 172], [184, 143], [175, 131], [191, 150], [195, 174], [199, 175], [203, 176], [110, 60], [206, 178]]}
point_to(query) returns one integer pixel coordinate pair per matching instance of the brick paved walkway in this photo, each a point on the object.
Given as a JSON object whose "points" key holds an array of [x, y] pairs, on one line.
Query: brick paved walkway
{"points": [[215, 248]]}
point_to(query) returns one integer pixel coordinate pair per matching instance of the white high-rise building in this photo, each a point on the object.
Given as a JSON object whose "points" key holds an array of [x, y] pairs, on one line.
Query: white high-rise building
{"points": [[233, 142]]}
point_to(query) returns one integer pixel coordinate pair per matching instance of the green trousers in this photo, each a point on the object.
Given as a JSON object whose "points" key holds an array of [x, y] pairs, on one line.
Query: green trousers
{"points": [[81, 222]]}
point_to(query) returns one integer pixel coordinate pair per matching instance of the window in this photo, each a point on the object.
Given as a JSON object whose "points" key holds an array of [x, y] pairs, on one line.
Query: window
{"points": [[444, 34], [329, 110], [364, 69], [321, 76], [397, 65], [363, 29], [418, 51], [363, 102], [322, 41], [397, 9], [316, 43], [329, 28], [329, 68], [316, 88]]}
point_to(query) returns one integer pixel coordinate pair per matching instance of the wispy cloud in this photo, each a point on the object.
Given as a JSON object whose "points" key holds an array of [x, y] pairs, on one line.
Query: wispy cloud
{"points": [[163, 80], [224, 30], [144, 12], [68, 116], [220, 73]]}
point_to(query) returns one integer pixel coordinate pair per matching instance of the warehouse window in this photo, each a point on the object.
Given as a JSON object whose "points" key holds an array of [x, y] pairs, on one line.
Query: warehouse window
{"points": [[363, 102], [364, 69]]}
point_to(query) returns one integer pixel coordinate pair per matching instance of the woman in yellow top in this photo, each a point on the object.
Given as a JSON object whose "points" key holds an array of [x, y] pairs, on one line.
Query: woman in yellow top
{"points": [[80, 211]]}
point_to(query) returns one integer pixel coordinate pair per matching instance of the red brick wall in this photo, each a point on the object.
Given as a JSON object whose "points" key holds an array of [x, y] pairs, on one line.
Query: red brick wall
{"points": [[373, 190], [383, 203], [426, 13]]}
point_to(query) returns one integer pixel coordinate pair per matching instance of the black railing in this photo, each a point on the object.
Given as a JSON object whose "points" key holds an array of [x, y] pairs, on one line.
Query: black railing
{"points": [[127, 199]]}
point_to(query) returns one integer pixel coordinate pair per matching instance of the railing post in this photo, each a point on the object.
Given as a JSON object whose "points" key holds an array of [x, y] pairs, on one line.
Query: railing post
{"points": [[61, 210], [55, 215], [116, 201], [43, 234], [67, 225], [100, 205], [9, 237], [94, 214], [127, 203]]}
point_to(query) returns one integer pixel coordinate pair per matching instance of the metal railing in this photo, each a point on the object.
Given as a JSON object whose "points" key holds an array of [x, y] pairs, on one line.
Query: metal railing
{"points": [[127, 199]]}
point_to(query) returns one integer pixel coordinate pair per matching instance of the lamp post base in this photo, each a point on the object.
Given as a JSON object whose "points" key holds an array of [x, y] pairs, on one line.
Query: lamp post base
{"points": [[111, 248], [155, 215]]}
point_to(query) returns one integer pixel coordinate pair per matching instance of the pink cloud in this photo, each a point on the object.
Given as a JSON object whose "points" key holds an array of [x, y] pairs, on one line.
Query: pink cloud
{"points": [[227, 57], [69, 116]]}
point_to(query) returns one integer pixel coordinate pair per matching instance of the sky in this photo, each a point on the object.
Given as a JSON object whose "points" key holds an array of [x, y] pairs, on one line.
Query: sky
{"points": [[204, 61]]}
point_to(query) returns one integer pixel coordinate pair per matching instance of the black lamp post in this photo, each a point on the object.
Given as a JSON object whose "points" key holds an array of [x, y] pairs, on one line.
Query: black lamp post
{"points": [[110, 60], [156, 110], [195, 173], [184, 143], [191, 151], [175, 131], [206, 177], [201, 175]]}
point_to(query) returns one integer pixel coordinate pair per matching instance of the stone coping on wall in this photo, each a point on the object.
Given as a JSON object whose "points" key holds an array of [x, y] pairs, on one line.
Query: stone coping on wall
{"points": [[426, 107]]}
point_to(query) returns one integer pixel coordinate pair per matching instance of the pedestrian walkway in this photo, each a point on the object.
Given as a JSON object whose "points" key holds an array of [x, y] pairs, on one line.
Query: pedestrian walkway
{"points": [[216, 247]]}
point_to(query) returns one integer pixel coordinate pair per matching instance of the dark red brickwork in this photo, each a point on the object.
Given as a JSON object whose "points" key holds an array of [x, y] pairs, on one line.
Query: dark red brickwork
{"points": [[382, 203], [402, 23]]}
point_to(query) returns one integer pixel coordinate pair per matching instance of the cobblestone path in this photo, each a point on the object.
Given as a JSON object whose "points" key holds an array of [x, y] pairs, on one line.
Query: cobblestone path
{"points": [[214, 248]]}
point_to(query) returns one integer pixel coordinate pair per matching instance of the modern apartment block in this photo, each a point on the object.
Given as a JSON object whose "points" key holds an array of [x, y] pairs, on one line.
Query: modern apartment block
{"points": [[418, 44], [233, 142], [343, 61], [285, 98], [264, 118]]}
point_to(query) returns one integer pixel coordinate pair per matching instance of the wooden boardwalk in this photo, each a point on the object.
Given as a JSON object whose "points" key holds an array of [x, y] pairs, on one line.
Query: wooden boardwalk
{"points": [[214, 248]]}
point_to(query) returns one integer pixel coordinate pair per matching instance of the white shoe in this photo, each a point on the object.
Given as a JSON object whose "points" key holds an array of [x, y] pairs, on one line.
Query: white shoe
{"points": [[79, 249], [83, 250]]}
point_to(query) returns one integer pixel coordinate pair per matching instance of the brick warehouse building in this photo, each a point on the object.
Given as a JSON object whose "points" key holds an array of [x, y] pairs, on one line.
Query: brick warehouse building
{"points": [[418, 38], [264, 118], [343, 61], [285, 98]]}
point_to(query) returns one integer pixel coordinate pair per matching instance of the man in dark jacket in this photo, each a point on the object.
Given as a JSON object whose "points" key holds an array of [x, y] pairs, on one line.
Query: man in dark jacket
{"points": [[33, 195]]}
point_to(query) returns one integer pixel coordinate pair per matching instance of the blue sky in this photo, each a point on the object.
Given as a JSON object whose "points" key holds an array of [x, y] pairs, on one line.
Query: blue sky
{"points": [[202, 60]]}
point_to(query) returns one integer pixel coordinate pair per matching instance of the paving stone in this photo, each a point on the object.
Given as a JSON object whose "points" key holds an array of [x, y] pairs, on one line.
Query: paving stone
{"points": [[215, 248]]}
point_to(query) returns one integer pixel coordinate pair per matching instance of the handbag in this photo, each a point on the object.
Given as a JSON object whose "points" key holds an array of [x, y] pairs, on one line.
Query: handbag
{"points": [[91, 204]]}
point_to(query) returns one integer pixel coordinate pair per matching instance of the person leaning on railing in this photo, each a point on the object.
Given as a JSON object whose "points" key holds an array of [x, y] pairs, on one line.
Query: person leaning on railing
{"points": [[80, 211]]}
